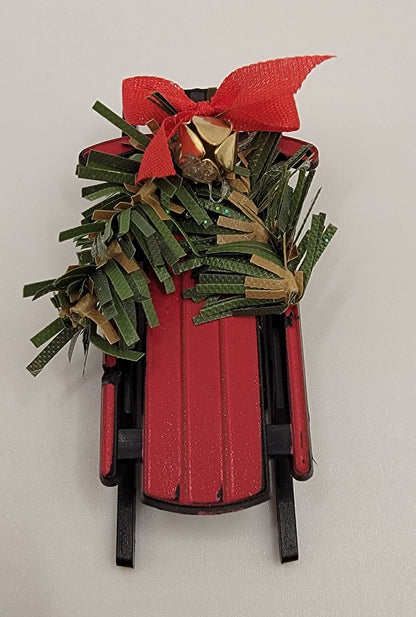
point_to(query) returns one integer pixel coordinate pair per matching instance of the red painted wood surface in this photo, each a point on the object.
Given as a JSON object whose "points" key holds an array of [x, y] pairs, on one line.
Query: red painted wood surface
{"points": [[202, 427], [289, 146], [302, 460], [117, 146], [108, 404]]}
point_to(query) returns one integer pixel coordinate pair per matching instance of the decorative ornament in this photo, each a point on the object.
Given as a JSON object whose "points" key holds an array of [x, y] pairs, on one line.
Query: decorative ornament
{"points": [[194, 224]]}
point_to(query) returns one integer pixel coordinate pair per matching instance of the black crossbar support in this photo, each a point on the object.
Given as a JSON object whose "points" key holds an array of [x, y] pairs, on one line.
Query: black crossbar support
{"points": [[130, 442], [279, 440]]}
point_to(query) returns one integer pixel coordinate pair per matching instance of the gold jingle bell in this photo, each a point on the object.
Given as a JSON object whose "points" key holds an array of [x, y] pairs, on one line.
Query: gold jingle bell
{"points": [[199, 170], [206, 149]]}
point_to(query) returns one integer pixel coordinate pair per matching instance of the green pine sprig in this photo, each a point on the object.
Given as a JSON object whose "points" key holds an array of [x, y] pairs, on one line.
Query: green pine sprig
{"points": [[122, 240]]}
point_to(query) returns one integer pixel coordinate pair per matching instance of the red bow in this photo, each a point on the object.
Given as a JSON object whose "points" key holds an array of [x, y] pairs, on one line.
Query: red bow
{"points": [[258, 97]]}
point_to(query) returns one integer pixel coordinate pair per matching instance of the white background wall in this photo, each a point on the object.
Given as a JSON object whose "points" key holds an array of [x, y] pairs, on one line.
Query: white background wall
{"points": [[356, 517]]}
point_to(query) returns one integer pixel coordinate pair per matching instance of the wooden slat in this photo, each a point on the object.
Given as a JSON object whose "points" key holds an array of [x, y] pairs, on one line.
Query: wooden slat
{"points": [[299, 418], [203, 454], [202, 429], [162, 453], [241, 408]]}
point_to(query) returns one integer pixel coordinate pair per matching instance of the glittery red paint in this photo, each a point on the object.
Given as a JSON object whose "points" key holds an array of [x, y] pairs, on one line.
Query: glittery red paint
{"points": [[202, 430], [297, 396], [107, 428]]}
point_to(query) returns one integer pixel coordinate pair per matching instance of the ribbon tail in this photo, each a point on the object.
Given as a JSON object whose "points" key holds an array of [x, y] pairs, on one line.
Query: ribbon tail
{"points": [[157, 160], [261, 96]]}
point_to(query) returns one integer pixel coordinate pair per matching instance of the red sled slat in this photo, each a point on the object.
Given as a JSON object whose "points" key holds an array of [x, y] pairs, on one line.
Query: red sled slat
{"points": [[202, 463], [242, 437], [163, 399], [204, 405], [108, 417], [302, 460]]}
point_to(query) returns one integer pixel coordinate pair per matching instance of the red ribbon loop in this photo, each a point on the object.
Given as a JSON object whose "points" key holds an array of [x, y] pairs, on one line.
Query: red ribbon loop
{"points": [[257, 97]]}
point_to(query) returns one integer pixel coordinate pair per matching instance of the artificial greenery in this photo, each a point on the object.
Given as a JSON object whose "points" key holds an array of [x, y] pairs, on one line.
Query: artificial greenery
{"points": [[244, 238]]}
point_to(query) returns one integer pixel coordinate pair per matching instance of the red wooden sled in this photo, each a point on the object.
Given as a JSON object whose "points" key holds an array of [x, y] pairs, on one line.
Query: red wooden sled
{"points": [[203, 416], [206, 410]]}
